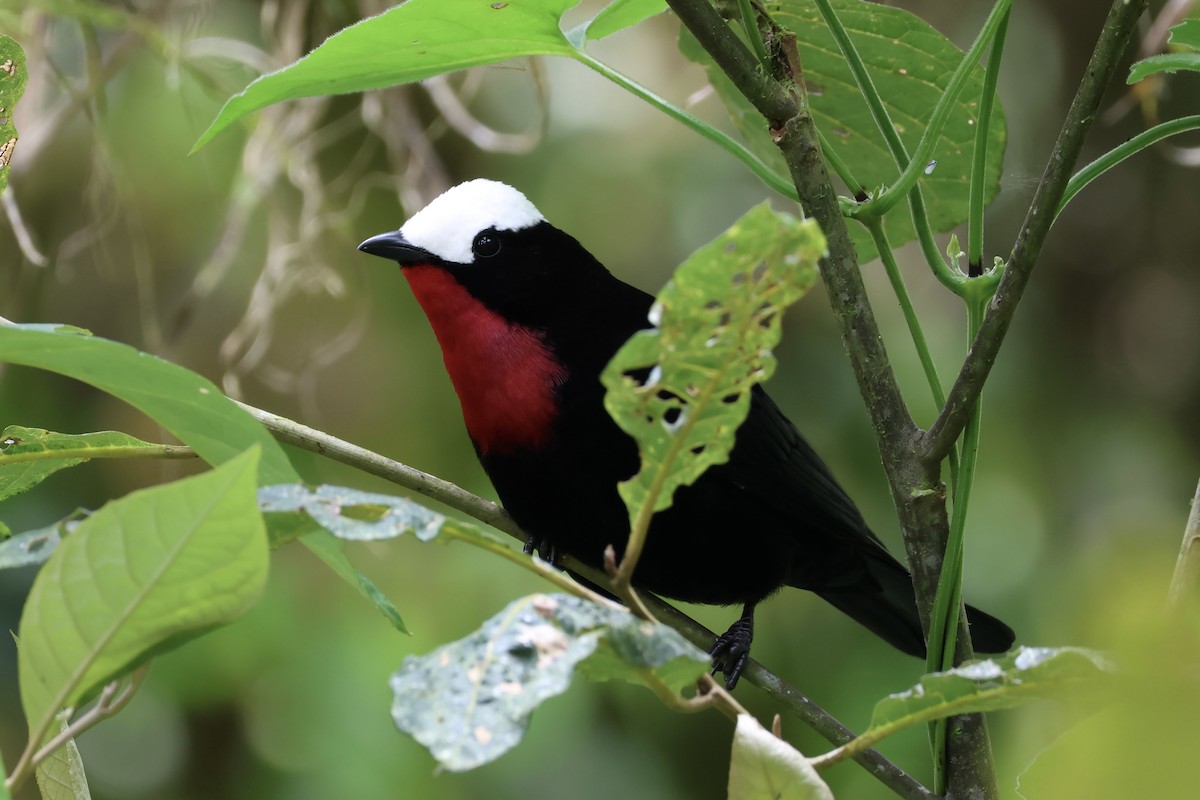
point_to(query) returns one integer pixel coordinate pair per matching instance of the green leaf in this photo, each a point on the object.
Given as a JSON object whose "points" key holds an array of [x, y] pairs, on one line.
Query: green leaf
{"points": [[1025, 674], [764, 767], [469, 702], [13, 79], [36, 546], [61, 775], [186, 404], [141, 575], [1167, 62], [410, 42], [682, 389], [1186, 37], [352, 514], [329, 549], [910, 64], [4, 793], [30, 455], [621, 14]]}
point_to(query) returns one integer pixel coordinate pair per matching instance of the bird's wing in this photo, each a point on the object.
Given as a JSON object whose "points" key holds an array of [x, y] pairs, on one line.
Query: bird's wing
{"points": [[778, 470]]}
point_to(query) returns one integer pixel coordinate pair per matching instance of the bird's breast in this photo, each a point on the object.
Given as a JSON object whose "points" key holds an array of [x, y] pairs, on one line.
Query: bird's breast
{"points": [[505, 374]]}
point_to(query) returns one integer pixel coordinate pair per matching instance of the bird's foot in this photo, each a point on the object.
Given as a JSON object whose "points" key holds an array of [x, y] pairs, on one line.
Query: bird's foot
{"points": [[732, 649], [544, 548]]}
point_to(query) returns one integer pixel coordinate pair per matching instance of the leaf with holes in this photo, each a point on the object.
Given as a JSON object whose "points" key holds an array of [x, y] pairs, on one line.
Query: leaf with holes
{"points": [[910, 64], [350, 513], [469, 702], [682, 388], [36, 546], [13, 79], [143, 574]]}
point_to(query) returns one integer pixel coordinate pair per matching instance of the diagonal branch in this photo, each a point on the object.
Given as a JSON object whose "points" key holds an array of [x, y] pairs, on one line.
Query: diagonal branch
{"points": [[937, 443]]}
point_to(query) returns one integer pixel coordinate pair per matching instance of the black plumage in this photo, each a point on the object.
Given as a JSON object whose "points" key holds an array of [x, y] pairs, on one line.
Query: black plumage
{"points": [[772, 516]]}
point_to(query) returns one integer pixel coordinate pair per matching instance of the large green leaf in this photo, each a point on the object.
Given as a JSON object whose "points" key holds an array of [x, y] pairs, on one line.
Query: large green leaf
{"points": [[470, 701], [764, 767], [910, 64], [186, 404], [682, 388], [13, 79], [410, 42], [142, 574]]}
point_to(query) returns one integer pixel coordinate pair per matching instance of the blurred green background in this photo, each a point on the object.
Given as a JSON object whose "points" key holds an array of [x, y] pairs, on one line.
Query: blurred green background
{"points": [[240, 263]]}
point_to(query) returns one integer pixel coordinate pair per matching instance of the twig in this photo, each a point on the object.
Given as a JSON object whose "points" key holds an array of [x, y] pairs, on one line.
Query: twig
{"points": [[1114, 37], [108, 704]]}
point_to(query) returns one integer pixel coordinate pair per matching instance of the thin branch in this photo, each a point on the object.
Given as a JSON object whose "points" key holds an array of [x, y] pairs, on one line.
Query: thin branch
{"points": [[715, 36], [108, 704], [302, 436], [808, 712], [1114, 38]]}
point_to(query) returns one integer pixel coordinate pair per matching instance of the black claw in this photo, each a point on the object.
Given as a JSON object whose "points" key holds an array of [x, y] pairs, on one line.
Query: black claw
{"points": [[732, 648], [543, 547]]}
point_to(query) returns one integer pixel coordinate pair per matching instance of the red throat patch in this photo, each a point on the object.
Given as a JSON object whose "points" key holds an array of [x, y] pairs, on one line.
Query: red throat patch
{"points": [[505, 374]]}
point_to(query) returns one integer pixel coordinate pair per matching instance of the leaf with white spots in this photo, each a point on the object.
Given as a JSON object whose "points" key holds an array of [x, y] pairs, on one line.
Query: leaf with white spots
{"points": [[764, 767], [681, 389], [350, 513], [1025, 674], [470, 701]]}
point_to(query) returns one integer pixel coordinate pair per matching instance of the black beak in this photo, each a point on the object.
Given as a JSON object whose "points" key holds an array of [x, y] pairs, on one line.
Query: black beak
{"points": [[394, 246]]}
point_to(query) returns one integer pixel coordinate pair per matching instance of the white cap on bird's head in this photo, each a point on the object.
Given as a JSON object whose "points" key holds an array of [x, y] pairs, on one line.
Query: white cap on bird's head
{"points": [[448, 225]]}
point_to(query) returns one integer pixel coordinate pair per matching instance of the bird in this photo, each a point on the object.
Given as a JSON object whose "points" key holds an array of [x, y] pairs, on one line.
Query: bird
{"points": [[527, 319]]}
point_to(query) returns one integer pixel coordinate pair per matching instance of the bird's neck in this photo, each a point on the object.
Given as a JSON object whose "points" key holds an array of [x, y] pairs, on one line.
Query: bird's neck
{"points": [[505, 374]]}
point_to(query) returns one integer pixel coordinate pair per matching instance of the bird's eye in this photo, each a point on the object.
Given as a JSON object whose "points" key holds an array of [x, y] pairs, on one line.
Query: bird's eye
{"points": [[486, 245]]}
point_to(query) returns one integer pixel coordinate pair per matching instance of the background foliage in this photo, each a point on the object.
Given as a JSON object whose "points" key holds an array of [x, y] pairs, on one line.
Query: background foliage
{"points": [[239, 263]]}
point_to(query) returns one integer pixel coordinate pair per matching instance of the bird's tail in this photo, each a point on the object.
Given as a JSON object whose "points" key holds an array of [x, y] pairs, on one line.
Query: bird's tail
{"points": [[884, 602]]}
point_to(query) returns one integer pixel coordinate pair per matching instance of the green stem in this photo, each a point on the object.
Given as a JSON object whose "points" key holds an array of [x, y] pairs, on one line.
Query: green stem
{"points": [[947, 603], [983, 123], [1103, 65], [879, 236], [719, 138], [915, 168], [750, 23], [840, 167], [86, 453], [949, 278], [1123, 151]]}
